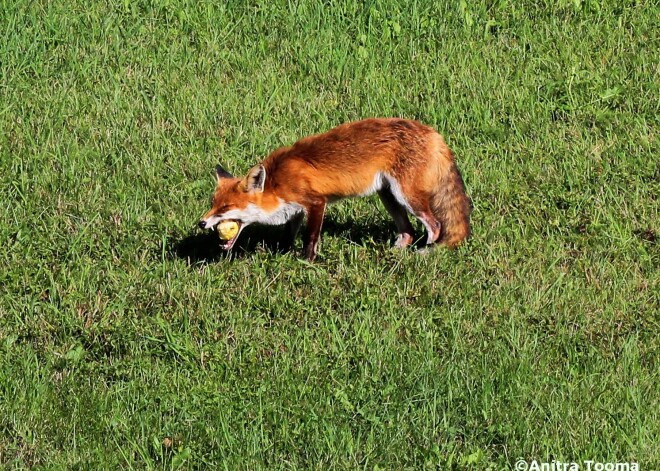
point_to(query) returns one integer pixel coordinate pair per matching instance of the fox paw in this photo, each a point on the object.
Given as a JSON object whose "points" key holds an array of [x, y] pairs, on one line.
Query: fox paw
{"points": [[403, 241]]}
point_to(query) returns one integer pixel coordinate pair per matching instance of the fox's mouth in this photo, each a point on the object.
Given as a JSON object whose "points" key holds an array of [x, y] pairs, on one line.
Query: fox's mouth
{"points": [[227, 244]]}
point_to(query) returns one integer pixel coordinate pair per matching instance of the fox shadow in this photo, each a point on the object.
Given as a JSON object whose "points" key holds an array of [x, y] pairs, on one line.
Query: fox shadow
{"points": [[203, 246]]}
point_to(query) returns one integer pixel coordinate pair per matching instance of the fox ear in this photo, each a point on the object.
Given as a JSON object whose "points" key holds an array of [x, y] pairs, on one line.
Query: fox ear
{"points": [[255, 180], [222, 173]]}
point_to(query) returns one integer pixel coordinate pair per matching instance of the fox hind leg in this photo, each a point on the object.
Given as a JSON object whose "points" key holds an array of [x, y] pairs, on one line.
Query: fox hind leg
{"points": [[420, 207], [400, 215], [432, 225], [400, 199]]}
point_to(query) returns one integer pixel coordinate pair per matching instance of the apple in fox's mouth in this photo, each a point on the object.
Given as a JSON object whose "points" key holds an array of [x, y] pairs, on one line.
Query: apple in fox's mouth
{"points": [[228, 232]]}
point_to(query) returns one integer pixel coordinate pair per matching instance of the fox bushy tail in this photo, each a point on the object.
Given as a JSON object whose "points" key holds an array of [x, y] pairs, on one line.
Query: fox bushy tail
{"points": [[452, 207]]}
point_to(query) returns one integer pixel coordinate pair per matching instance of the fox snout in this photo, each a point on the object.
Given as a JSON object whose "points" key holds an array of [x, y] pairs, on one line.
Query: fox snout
{"points": [[209, 221]]}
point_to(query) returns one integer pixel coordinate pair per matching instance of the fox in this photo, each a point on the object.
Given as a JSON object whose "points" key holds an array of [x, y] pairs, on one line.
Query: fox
{"points": [[407, 163]]}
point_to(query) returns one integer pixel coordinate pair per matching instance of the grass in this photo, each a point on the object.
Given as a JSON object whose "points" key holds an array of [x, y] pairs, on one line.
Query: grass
{"points": [[128, 340]]}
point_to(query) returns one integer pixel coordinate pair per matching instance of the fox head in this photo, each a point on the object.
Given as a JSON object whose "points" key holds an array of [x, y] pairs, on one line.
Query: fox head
{"points": [[241, 200]]}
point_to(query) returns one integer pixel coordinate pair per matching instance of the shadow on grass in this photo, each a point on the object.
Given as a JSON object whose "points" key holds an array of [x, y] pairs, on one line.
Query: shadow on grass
{"points": [[360, 232], [204, 247]]}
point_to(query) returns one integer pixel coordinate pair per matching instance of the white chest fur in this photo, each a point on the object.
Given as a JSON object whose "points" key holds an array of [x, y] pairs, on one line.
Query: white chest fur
{"points": [[253, 213]]}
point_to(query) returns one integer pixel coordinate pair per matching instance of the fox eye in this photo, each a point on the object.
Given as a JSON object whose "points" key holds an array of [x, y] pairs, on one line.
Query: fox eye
{"points": [[216, 204]]}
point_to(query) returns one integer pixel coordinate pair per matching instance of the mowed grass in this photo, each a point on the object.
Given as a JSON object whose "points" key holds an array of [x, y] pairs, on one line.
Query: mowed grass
{"points": [[128, 340]]}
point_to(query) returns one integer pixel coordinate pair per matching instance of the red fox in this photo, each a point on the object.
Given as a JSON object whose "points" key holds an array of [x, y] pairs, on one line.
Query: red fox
{"points": [[407, 163]]}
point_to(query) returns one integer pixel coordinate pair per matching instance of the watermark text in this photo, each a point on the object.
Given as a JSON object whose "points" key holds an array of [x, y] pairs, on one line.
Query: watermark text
{"points": [[585, 465]]}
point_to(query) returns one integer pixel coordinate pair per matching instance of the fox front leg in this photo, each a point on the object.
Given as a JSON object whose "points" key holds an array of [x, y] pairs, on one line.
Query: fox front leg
{"points": [[291, 229], [315, 213]]}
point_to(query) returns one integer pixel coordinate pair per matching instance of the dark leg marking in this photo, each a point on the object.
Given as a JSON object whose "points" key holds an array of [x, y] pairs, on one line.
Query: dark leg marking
{"points": [[406, 233], [315, 213]]}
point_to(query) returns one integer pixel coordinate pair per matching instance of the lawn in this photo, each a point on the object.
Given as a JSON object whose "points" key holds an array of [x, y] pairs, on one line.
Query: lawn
{"points": [[129, 340]]}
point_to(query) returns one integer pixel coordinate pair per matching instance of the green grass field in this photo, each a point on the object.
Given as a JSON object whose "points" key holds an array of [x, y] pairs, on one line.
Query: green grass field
{"points": [[129, 340]]}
